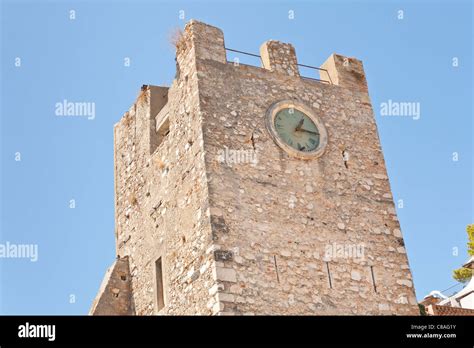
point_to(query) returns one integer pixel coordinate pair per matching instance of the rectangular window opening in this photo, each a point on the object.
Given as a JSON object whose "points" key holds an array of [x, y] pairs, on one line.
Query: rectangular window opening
{"points": [[162, 130], [159, 128]]}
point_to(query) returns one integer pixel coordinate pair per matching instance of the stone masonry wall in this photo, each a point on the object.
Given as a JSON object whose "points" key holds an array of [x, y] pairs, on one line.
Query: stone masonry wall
{"points": [[274, 221], [162, 200]]}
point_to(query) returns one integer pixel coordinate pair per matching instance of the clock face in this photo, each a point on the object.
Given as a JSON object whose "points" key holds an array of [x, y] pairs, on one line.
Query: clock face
{"points": [[297, 130]]}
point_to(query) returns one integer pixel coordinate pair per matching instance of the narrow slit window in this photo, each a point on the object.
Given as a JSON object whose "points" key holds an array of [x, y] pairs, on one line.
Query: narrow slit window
{"points": [[329, 275], [276, 268], [373, 278], [160, 299]]}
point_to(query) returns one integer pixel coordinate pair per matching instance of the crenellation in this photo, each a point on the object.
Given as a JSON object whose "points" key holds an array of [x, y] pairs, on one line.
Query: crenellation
{"points": [[346, 72], [279, 57]]}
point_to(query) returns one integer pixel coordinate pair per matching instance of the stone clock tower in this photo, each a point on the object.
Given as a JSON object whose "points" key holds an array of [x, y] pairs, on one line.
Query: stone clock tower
{"points": [[254, 190]]}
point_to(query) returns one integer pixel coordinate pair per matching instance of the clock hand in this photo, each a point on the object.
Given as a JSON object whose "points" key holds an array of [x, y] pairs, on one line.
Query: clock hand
{"points": [[298, 127], [308, 131]]}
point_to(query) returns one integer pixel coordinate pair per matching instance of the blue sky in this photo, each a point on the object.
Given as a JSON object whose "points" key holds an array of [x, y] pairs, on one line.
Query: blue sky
{"points": [[64, 158]]}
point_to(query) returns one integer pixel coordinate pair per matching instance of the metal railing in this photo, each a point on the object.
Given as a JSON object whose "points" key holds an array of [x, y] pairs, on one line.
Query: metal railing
{"points": [[302, 65], [246, 53], [319, 69]]}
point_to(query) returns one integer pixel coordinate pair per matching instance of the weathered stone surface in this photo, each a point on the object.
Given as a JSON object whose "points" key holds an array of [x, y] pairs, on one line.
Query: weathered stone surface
{"points": [[226, 274], [223, 255], [405, 282], [355, 276]]}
